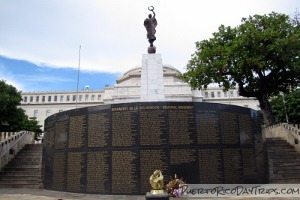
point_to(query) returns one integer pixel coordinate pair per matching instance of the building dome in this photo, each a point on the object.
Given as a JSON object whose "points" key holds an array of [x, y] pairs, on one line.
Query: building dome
{"points": [[168, 70]]}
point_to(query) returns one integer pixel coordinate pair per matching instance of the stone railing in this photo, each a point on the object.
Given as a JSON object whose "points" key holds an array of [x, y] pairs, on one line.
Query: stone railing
{"points": [[288, 132], [11, 143]]}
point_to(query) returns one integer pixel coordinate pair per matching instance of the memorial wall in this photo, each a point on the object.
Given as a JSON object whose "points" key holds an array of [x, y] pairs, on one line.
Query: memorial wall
{"points": [[113, 149]]}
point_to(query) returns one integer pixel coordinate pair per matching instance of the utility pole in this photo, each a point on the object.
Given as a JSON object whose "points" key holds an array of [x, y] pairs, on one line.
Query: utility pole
{"points": [[78, 76]]}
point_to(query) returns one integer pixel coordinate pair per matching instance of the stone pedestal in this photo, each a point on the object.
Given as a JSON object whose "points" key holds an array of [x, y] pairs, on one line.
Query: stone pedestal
{"points": [[150, 196], [152, 79]]}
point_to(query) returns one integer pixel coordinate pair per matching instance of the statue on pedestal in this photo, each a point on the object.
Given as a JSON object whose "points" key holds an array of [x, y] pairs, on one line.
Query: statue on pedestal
{"points": [[157, 184], [150, 24], [157, 180]]}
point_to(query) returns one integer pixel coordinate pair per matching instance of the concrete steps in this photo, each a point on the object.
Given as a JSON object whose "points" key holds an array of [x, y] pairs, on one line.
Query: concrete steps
{"points": [[24, 171], [283, 161]]}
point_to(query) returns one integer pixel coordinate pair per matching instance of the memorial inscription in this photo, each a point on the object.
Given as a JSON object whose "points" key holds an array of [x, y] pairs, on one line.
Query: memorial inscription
{"points": [[76, 165], [152, 127], [98, 172], [181, 125], [77, 131], [210, 166], [113, 149], [98, 129], [229, 128], [150, 160], [248, 162], [208, 131], [245, 129], [124, 172], [232, 165], [124, 127], [59, 170], [61, 134]]}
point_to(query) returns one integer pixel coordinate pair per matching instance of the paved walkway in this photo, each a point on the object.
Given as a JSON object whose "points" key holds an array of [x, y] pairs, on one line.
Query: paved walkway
{"points": [[37, 194]]}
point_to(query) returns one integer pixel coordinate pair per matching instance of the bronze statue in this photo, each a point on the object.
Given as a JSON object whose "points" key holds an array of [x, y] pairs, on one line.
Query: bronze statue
{"points": [[150, 23]]}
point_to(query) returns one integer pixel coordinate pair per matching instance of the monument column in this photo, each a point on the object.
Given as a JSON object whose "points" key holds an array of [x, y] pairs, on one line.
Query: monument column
{"points": [[152, 78]]}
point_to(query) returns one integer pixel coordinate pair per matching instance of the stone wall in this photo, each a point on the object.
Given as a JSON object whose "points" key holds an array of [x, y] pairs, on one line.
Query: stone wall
{"points": [[113, 149]]}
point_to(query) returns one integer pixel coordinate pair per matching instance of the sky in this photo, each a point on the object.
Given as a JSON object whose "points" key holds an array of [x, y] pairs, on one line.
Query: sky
{"points": [[43, 42]]}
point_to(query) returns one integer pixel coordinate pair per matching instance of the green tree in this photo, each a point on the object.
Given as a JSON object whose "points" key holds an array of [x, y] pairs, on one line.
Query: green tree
{"points": [[13, 118], [10, 98], [287, 106], [260, 57]]}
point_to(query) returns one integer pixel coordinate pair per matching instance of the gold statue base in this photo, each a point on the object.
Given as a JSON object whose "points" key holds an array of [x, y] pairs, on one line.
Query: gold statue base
{"points": [[157, 191]]}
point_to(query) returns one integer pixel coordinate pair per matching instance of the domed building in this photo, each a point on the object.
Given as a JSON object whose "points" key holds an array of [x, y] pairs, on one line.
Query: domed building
{"points": [[127, 89]]}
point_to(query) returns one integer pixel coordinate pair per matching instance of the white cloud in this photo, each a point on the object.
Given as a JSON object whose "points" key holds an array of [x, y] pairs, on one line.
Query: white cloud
{"points": [[111, 32]]}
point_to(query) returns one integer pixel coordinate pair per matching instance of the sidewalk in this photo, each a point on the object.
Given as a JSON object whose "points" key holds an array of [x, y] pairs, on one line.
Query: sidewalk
{"points": [[37, 194]]}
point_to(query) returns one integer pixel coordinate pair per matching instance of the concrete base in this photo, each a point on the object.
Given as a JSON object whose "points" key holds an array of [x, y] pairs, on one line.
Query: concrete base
{"points": [[150, 196], [152, 79]]}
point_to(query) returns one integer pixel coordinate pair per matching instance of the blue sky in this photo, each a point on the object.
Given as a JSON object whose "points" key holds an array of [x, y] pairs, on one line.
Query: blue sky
{"points": [[27, 77], [39, 40]]}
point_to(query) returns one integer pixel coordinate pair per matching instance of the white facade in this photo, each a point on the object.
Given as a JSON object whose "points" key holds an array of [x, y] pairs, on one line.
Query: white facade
{"points": [[128, 89]]}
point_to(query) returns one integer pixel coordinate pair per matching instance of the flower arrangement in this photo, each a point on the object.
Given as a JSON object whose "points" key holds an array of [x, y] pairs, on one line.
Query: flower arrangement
{"points": [[172, 188]]}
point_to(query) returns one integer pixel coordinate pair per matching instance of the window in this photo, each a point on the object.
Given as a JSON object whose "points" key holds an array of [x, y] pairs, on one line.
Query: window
{"points": [[36, 113], [86, 97], [219, 94], [43, 98], [68, 97], [93, 97], [74, 97], [61, 98], [225, 94], [31, 99], [49, 98], [206, 94], [231, 93], [99, 97], [37, 98], [212, 95], [55, 98], [25, 99], [237, 93], [80, 97], [48, 113]]}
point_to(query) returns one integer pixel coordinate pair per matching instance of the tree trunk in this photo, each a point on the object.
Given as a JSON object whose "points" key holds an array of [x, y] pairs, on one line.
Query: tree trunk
{"points": [[266, 110]]}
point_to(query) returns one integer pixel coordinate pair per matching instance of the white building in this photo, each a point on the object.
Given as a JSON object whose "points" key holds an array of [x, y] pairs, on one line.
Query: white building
{"points": [[43, 104]]}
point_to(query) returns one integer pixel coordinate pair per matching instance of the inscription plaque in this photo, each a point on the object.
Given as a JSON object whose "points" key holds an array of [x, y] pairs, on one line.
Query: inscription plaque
{"points": [[208, 131], [114, 149], [59, 170], [181, 125], [245, 129], [184, 161], [77, 131], [229, 128], [61, 133], [98, 172], [210, 166], [75, 174], [152, 126], [232, 165], [124, 126], [98, 129], [151, 160], [124, 172]]}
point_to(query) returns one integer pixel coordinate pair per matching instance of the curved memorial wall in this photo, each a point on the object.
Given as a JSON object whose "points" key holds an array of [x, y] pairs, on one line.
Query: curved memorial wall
{"points": [[113, 149]]}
